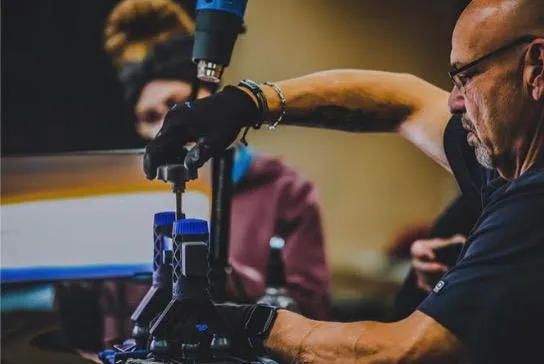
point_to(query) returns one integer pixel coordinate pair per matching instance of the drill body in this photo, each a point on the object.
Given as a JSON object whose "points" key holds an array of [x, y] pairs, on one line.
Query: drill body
{"points": [[218, 23]]}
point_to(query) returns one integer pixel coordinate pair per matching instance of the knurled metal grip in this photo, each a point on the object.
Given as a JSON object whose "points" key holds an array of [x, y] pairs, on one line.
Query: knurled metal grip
{"points": [[162, 230], [176, 174]]}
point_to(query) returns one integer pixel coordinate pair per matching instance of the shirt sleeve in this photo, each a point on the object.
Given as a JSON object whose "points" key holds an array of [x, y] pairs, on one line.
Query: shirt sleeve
{"points": [[493, 299]]}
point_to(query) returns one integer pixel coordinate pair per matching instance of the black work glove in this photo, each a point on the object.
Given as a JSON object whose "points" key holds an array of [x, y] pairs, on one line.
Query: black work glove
{"points": [[213, 122], [248, 326]]}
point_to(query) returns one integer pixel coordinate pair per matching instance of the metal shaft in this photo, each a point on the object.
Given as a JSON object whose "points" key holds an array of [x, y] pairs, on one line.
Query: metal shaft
{"points": [[179, 213], [220, 223]]}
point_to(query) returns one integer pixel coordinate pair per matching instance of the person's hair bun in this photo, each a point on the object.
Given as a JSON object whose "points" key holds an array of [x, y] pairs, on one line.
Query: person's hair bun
{"points": [[135, 26]]}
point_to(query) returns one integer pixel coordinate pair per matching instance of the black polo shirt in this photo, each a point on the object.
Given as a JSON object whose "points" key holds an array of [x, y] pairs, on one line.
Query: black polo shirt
{"points": [[493, 299]]}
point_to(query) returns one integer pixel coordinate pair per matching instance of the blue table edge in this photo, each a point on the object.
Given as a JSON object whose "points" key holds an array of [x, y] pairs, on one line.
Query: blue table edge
{"points": [[84, 272]]}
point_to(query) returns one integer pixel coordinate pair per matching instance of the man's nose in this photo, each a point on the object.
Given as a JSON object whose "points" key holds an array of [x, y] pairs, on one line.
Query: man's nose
{"points": [[456, 101]]}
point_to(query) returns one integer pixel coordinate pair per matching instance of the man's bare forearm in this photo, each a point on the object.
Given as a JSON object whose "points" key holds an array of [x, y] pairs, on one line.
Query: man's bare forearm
{"points": [[417, 339], [300, 340], [350, 100], [366, 101]]}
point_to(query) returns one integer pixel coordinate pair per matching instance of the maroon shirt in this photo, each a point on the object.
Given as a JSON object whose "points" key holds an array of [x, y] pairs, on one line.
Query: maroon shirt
{"points": [[274, 199]]}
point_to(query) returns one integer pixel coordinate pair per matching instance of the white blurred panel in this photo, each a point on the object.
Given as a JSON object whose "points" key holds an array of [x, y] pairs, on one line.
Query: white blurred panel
{"points": [[107, 229]]}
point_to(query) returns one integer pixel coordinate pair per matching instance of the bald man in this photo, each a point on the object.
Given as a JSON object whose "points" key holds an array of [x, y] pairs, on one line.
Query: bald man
{"points": [[489, 308]]}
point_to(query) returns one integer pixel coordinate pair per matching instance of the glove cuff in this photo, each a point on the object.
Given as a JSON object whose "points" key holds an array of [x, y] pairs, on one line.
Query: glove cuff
{"points": [[259, 324], [252, 115], [256, 90]]}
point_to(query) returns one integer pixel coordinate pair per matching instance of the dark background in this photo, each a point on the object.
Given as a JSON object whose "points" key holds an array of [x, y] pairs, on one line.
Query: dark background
{"points": [[59, 88]]}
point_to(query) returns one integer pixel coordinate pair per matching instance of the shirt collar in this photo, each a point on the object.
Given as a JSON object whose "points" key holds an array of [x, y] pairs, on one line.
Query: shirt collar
{"points": [[496, 186]]}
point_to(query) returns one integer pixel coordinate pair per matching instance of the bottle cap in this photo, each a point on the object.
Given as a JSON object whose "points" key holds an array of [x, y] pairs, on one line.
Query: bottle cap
{"points": [[191, 227], [164, 218]]}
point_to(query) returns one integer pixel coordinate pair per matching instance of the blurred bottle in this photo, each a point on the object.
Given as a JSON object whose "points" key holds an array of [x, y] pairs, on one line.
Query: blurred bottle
{"points": [[276, 292]]}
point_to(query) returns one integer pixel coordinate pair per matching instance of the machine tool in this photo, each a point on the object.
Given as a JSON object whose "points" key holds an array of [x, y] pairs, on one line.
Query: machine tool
{"points": [[178, 325], [176, 322]]}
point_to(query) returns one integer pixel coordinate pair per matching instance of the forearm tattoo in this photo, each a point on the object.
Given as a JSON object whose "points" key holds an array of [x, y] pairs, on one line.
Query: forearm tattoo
{"points": [[385, 118]]}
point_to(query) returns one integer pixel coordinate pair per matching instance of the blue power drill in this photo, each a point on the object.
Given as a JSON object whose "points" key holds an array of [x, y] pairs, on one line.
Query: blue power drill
{"points": [[218, 23]]}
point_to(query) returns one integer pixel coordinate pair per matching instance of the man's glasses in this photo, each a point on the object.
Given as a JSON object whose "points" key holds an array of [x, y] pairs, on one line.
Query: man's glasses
{"points": [[456, 74]]}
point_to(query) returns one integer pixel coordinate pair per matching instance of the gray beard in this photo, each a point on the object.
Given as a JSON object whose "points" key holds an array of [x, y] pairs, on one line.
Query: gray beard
{"points": [[483, 156]]}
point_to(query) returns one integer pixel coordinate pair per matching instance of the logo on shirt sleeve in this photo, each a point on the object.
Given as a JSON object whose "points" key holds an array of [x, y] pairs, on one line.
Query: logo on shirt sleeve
{"points": [[439, 286]]}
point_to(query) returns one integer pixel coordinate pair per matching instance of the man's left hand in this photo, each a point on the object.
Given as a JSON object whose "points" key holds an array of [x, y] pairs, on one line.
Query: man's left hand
{"points": [[213, 122]]}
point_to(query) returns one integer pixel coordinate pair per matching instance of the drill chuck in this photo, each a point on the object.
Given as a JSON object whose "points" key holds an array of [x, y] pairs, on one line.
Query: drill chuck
{"points": [[209, 71]]}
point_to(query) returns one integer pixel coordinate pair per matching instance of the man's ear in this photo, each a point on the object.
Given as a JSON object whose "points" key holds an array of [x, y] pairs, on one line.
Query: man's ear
{"points": [[535, 60]]}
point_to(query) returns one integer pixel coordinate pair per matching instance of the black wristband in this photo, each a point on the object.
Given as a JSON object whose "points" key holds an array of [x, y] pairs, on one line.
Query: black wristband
{"points": [[259, 324], [256, 90]]}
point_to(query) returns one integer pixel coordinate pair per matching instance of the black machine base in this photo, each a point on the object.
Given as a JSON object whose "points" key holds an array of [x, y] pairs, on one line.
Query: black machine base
{"points": [[146, 357]]}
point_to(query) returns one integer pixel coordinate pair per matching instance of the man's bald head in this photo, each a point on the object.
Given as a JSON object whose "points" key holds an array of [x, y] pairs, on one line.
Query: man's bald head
{"points": [[498, 51], [488, 24]]}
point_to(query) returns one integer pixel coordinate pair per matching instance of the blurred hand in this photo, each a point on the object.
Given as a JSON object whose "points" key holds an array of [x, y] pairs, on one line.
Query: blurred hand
{"points": [[213, 122], [428, 269]]}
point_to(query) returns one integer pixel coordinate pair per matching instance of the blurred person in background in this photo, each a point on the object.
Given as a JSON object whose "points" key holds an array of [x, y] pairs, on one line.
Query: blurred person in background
{"points": [[150, 43], [430, 250], [432, 254]]}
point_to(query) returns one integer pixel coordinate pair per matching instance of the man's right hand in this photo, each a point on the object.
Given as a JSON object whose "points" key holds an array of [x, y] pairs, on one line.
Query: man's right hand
{"points": [[213, 122], [247, 325], [424, 261]]}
